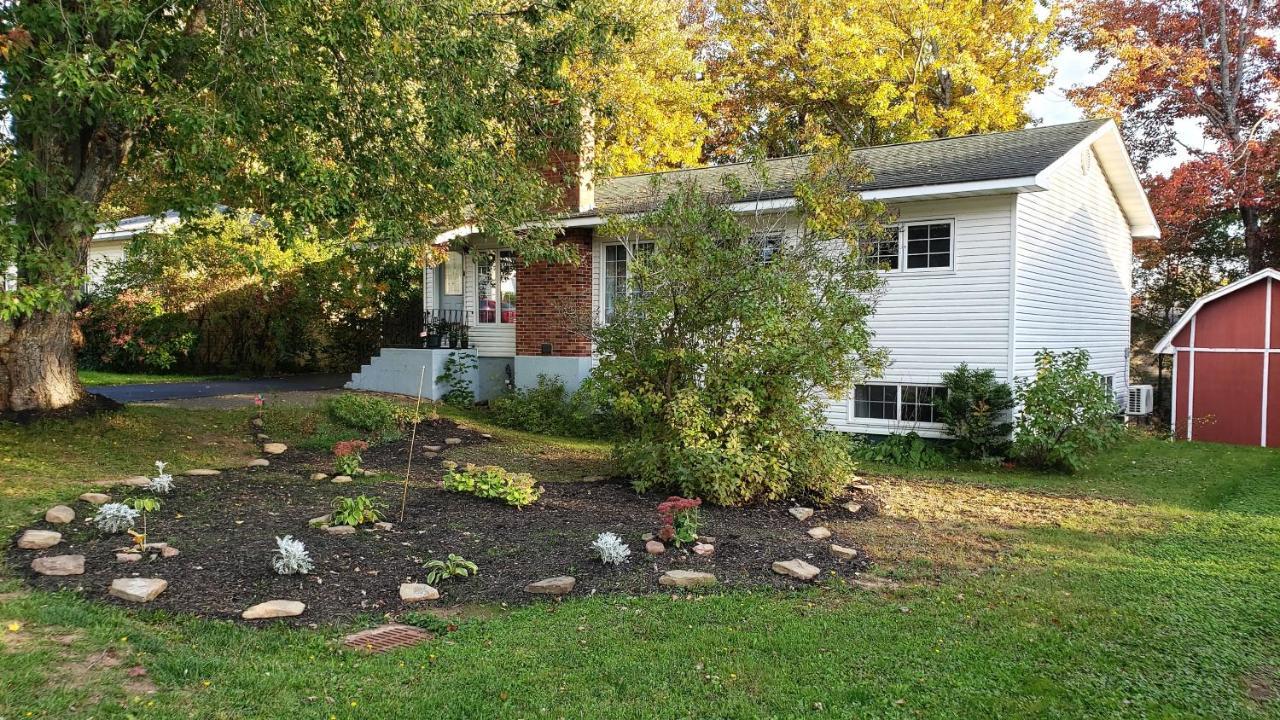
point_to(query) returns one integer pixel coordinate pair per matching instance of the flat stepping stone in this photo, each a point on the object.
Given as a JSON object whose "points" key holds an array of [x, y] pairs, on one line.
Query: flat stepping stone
{"points": [[322, 520], [59, 515], [453, 441], [39, 539], [96, 498], [128, 557], [797, 569], [843, 553], [138, 589], [863, 487], [202, 472], [137, 481], [704, 549], [853, 507], [418, 592], [274, 609], [385, 638], [59, 565], [561, 585], [341, 479], [274, 448], [383, 525], [317, 477], [340, 530], [260, 462], [819, 533], [686, 578], [262, 436], [433, 448], [801, 513], [653, 547]]}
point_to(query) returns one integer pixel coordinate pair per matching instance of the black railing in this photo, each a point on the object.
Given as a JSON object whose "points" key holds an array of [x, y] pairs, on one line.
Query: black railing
{"points": [[446, 329]]}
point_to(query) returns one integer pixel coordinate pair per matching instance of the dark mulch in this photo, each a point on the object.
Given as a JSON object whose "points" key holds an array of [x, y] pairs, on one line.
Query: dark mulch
{"points": [[229, 522]]}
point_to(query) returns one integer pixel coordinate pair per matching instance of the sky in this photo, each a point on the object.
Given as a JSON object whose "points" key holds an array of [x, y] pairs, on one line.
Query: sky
{"points": [[1074, 68]]}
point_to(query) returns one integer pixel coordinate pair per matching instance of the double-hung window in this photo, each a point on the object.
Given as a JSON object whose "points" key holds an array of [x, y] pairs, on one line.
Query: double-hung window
{"points": [[891, 401], [496, 287], [911, 246], [618, 276]]}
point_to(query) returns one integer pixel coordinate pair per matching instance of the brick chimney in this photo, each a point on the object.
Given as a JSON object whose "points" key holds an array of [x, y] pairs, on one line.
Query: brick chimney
{"points": [[570, 172]]}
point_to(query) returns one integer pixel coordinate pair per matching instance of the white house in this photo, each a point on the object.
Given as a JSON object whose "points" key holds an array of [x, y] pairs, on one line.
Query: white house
{"points": [[110, 242], [1006, 243]]}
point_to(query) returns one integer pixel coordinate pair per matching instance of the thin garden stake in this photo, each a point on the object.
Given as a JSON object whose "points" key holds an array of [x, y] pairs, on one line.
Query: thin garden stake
{"points": [[404, 496]]}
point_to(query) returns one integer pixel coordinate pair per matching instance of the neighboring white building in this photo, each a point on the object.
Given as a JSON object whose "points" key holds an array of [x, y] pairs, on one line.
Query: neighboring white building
{"points": [[1007, 243], [112, 239]]}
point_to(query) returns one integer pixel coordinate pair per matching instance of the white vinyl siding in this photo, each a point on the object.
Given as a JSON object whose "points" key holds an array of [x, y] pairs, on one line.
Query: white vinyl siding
{"points": [[1073, 277]]}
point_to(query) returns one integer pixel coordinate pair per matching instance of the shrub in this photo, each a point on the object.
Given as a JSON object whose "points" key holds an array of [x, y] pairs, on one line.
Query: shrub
{"points": [[355, 511], [718, 366], [115, 517], [133, 331], [549, 409], [1067, 413], [346, 455], [680, 519], [611, 549], [364, 412], [975, 409], [291, 557], [909, 450], [456, 373], [163, 482], [491, 481], [451, 567]]}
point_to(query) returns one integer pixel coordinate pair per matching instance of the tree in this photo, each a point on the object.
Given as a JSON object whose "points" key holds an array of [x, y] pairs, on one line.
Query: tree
{"points": [[719, 349], [652, 97], [1213, 62], [325, 115], [1066, 412], [875, 71]]}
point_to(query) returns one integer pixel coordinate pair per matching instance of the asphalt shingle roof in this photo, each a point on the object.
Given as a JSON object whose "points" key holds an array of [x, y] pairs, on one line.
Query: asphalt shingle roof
{"points": [[971, 158]]}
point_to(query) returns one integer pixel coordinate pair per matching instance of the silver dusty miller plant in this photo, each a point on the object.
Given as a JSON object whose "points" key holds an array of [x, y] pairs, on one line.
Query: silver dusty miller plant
{"points": [[611, 549], [292, 557], [115, 517], [163, 482]]}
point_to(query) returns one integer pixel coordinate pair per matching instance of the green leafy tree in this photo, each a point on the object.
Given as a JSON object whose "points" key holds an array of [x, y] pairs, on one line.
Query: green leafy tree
{"points": [[1066, 412], [976, 409], [325, 115], [718, 355]]}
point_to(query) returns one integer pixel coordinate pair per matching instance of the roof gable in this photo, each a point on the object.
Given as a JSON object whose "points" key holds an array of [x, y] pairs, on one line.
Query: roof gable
{"points": [[1165, 346]]}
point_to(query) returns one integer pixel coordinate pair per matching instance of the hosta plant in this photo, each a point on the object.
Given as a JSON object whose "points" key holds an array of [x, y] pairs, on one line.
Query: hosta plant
{"points": [[451, 567], [491, 481], [611, 549], [115, 517], [355, 511], [292, 557]]}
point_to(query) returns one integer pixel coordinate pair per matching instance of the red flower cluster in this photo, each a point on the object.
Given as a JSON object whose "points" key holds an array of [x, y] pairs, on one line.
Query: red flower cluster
{"points": [[674, 505], [344, 448], [678, 511]]}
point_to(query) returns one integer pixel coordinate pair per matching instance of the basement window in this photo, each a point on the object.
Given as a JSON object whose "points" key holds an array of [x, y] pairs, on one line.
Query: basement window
{"points": [[908, 403]]}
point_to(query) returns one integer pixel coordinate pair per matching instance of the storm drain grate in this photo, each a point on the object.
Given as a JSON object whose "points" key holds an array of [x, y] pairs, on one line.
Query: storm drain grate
{"points": [[385, 638]]}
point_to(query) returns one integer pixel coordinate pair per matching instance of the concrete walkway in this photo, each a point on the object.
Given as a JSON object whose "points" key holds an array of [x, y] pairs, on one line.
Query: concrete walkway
{"points": [[218, 388]]}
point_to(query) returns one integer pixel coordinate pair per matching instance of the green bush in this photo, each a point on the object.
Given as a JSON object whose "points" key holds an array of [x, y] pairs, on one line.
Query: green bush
{"points": [[909, 450], [1067, 413], [975, 410], [132, 331], [491, 481], [456, 373], [364, 412], [548, 409]]}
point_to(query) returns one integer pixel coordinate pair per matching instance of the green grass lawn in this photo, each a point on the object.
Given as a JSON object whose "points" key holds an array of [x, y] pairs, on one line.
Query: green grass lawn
{"points": [[1145, 587], [104, 377]]}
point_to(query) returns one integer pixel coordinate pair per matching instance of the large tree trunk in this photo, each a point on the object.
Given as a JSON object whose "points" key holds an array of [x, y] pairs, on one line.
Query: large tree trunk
{"points": [[38, 363], [1255, 249]]}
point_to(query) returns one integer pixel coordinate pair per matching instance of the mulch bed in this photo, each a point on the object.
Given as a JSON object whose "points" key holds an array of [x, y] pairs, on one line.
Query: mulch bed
{"points": [[228, 524]]}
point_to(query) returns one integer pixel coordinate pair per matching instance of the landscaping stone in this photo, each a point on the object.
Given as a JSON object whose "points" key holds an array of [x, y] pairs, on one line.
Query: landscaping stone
{"points": [[819, 533], [256, 422], [138, 589], [418, 592], [653, 547], [168, 551], [137, 481], [686, 578], [561, 585], [322, 520], [128, 557], [453, 441], [96, 498], [853, 507], [274, 609], [59, 515], [319, 476], [844, 553], [340, 530], [274, 448], [704, 549], [341, 479], [647, 537], [801, 513], [202, 472], [260, 462], [431, 455], [383, 525], [797, 568], [863, 487], [262, 437], [433, 448], [59, 565], [39, 539]]}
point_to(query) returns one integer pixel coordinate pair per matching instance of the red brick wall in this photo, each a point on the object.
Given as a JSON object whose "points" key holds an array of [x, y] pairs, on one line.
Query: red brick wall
{"points": [[554, 300]]}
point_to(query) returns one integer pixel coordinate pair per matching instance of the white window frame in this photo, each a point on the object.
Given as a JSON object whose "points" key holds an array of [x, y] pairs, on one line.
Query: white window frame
{"points": [[902, 224], [897, 412], [604, 271], [495, 277]]}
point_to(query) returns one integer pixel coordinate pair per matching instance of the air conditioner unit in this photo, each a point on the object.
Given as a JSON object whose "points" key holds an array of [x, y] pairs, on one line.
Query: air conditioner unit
{"points": [[1140, 400]]}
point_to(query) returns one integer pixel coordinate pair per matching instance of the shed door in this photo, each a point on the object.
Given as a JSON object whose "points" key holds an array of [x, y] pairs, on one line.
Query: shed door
{"points": [[1226, 397]]}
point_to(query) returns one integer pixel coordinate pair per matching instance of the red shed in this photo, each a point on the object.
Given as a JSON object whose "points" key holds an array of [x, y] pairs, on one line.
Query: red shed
{"points": [[1226, 364]]}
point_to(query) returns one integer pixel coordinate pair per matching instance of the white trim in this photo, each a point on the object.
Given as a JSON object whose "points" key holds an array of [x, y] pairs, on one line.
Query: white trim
{"points": [[1013, 291], [1266, 364], [1191, 377], [897, 420], [1173, 399], [981, 187], [1166, 342], [1264, 351]]}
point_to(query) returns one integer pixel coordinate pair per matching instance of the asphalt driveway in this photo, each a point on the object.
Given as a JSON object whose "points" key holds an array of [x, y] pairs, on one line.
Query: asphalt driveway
{"points": [[217, 388]]}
